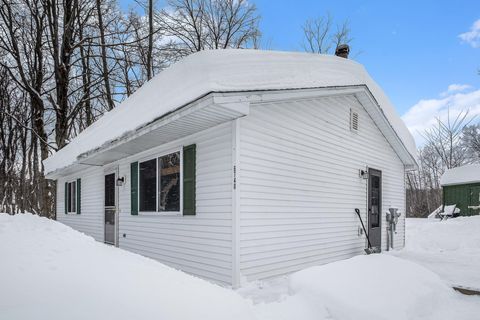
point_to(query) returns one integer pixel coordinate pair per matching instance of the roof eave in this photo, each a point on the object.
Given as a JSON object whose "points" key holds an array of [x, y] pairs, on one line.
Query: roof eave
{"points": [[236, 104], [196, 116], [362, 93]]}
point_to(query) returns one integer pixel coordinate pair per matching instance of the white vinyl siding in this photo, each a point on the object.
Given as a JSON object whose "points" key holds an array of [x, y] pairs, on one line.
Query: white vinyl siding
{"points": [[199, 244], [299, 184], [90, 221]]}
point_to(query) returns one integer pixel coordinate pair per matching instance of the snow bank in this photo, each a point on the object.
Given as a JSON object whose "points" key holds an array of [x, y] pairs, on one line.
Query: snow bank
{"points": [[450, 248], [224, 71], [50, 271], [376, 287], [465, 174], [370, 287]]}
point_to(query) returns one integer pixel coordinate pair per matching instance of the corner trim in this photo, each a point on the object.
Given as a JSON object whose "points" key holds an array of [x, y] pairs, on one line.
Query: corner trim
{"points": [[235, 203]]}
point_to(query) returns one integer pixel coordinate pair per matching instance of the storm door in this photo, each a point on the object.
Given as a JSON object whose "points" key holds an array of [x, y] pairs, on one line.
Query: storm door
{"points": [[375, 207], [110, 209]]}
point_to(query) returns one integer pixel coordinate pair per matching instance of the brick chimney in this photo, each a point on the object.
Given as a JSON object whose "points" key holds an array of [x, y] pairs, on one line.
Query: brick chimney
{"points": [[342, 51]]}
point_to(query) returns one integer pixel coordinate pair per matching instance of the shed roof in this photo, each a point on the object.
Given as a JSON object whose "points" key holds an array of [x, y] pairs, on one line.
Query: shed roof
{"points": [[224, 71], [461, 175]]}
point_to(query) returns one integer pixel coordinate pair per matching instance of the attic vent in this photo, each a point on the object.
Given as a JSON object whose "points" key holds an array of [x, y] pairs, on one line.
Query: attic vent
{"points": [[353, 121]]}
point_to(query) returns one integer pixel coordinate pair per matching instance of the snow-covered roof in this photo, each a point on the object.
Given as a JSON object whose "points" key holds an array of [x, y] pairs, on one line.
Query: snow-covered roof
{"points": [[224, 71], [461, 175]]}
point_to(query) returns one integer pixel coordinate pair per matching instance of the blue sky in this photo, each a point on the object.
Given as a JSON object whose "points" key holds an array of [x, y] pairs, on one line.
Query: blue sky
{"points": [[411, 48]]}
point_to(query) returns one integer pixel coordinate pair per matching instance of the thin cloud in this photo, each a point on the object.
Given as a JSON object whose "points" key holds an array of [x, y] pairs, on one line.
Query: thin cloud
{"points": [[455, 87], [472, 37], [423, 114]]}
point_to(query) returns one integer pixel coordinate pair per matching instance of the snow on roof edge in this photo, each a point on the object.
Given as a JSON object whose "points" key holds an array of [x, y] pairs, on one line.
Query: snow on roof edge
{"points": [[461, 175], [224, 71]]}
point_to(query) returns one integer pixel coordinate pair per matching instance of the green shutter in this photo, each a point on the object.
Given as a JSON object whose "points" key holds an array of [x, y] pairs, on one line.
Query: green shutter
{"points": [[79, 195], [189, 163], [66, 197], [134, 188]]}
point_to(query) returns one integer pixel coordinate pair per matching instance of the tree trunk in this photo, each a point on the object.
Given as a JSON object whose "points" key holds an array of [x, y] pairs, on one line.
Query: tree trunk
{"points": [[108, 93], [150, 40]]}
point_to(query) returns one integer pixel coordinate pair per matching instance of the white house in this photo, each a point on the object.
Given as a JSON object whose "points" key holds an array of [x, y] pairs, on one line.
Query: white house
{"points": [[237, 165]]}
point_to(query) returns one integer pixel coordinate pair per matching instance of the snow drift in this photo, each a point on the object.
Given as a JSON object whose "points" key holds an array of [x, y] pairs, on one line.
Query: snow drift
{"points": [[50, 271], [378, 287], [224, 71], [374, 287]]}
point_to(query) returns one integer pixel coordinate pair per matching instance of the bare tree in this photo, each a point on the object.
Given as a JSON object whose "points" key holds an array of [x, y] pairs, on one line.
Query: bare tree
{"points": [[471, 141], [103, 50], [447, 146], [321, 37], [424, 193], [230, 24], [22, 27], [61, 44], [150, 40], [342, 34], [86, 70], [63, 63], [196, 25], [445, 138]]}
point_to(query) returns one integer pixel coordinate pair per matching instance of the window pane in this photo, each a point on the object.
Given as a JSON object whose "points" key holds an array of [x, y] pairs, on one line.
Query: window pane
{"points": [[375, 201], [169, 182], [148, 185], [110, 190], [74, 196]]}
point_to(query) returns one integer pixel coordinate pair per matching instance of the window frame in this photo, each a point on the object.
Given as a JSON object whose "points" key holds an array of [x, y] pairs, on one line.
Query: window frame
{"points": [[156, 156], [69, 196]]}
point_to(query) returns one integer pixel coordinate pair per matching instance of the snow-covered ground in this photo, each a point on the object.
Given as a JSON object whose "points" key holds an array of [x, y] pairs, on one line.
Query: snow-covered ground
{"points": [[49, 271], [364, 287], [450, 248]]}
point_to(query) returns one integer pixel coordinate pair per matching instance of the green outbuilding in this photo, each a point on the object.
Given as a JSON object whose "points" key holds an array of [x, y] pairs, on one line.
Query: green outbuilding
{"points": [[461, 187]]}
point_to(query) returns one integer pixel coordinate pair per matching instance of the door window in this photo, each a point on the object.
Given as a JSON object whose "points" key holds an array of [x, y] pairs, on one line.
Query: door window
{"points": [[375, 201], [110, 190]]}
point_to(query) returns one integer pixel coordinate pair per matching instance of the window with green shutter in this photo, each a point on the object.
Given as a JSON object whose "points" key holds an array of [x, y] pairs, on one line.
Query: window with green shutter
{"points": [[157, 182]]}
